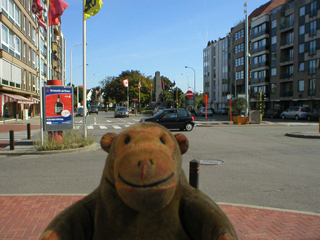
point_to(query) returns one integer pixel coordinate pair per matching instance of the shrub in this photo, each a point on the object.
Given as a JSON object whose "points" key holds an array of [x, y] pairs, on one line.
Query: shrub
{"points": [[71, 139], [239, 105]]}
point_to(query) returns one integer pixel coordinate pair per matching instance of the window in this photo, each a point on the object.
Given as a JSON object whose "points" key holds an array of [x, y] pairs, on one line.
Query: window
{"points": [[313, 8], [312, 87], [300, 85], [5, 38], [301, 48], [273, 88], [313, 28], [274, 56], [312, 67], [301, 30], [301, 67], [274, 24], [273, 71], [274, 40], [302, 11], [312, 50]]}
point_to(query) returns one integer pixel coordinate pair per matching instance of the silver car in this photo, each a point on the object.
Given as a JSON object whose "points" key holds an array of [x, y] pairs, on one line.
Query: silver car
{"points": [[296, 113], [202, 112], [121, 112]]}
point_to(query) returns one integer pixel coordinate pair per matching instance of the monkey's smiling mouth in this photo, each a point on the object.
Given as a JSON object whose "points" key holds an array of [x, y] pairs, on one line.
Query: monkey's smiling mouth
{"points": [[145, 185]]}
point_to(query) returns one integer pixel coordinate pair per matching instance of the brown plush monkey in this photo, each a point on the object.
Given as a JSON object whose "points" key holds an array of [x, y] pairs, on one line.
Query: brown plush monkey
{"points": [[143, 194]]}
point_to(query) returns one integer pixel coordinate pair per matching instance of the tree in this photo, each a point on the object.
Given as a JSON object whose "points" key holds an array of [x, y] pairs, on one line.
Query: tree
{"points": [[239, 105]]}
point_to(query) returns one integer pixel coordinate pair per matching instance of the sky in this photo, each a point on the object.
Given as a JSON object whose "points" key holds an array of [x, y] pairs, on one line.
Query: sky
{"points": [[148, 36]]}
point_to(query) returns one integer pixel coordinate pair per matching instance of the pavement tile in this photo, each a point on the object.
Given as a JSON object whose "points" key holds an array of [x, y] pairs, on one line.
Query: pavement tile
{"points": [[25, 217]]}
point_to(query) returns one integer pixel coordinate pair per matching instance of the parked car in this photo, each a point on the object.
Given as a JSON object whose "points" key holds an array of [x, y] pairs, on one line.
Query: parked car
{"points": [[202, 112], [296, 113], [94, 109], [80, 111], [175, 118], [314, 114], [272, 113], [121, 112], [158, 109], [223, 111]]}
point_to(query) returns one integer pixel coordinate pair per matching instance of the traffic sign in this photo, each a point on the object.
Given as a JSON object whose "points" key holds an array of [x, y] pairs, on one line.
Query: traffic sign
{"points": [[135, 99], [229, 97], [189, 94]]}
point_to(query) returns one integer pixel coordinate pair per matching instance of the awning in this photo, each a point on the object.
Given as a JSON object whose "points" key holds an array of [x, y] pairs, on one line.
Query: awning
{"points": [[35, 100], [16, 98]]}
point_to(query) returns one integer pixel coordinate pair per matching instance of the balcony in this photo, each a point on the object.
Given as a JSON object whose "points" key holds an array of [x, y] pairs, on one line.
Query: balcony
{"points": [[258, 80], [286, 94], [286, 75], [259, 49], [312, 92], [286, 24], [287, 41], [286, 58], [254, 35], [260, 64]]}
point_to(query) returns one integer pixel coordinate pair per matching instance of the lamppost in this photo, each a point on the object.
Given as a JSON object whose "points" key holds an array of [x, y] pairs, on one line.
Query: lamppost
{"points": [[194, 88], [71, 62], [187, 80]]}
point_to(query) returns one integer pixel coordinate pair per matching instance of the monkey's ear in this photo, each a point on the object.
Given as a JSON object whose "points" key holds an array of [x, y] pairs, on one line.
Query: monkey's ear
{"points": [[107, 140], [183, 142]]}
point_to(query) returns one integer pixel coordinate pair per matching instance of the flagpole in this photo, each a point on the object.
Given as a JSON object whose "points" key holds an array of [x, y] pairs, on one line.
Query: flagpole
{"points": [[128, 95], [84, 74]]}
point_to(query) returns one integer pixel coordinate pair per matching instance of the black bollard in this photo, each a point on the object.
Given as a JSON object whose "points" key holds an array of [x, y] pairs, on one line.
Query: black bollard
{"points": [[28, 131], [194, 169], [11, 133]]}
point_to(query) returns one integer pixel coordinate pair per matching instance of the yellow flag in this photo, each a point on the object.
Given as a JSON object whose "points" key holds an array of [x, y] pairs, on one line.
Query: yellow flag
{"points": [[91, 7]]}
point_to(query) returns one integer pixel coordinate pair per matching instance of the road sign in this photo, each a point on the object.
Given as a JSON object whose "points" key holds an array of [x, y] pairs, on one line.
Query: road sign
{"points": [[229, 96], [189, 94], [135, 99]]}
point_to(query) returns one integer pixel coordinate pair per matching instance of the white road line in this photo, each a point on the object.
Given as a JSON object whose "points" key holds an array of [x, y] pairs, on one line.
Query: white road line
{"points": [[116, 127], [103, 127], [109, 121], [90, 127], [127, 125]]}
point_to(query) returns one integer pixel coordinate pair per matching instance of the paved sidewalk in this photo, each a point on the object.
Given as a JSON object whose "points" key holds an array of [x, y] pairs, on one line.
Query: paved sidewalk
{"points": [[26, 216]]}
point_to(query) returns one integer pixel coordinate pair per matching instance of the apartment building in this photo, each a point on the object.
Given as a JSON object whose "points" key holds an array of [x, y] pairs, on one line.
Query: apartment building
{"points": [[217, 83], [23, 58], [284, 40]]}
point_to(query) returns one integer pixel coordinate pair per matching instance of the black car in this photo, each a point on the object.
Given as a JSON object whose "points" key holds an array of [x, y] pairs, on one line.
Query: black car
{"points": [[94, 109], [175, 118], [314, 114], [272, 113]]}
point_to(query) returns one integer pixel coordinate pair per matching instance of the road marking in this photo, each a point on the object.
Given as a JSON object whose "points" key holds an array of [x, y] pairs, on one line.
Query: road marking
{"points": [[117, 127], [108, 121], [127, 125], [90, 127], [103, 127], [76, 127]]}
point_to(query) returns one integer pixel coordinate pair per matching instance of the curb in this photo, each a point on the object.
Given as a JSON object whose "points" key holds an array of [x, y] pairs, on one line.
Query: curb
{"points": [[17, 152], [310, 135]]}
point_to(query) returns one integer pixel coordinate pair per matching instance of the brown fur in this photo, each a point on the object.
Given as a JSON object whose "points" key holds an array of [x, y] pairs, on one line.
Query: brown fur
{"points": [[143, 194]]}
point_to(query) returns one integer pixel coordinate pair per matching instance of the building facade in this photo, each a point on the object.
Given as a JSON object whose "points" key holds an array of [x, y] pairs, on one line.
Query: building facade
{"points": [[284, 55], [25, 60], [216, 65]]}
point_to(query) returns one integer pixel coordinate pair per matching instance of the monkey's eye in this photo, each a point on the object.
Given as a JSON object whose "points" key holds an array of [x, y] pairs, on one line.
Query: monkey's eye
{"points": [[127, 140], [162, 140]]}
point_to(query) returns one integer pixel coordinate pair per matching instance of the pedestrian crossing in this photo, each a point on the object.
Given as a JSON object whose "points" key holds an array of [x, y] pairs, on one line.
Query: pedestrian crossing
{"points": [[102, 127]]}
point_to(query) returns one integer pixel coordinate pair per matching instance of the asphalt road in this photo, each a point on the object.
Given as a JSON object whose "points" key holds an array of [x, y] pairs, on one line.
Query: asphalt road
{"points": [[260, 166]]}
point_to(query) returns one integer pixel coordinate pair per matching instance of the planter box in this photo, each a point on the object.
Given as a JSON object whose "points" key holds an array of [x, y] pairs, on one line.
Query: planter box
{"points": [[240, 120]]}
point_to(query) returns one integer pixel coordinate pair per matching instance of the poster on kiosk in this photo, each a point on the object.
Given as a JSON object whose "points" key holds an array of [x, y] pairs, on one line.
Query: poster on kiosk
{"points": [[58, 108]]}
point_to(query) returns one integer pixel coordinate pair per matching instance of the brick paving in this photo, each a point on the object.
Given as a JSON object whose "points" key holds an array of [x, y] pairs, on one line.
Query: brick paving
{"points": [[25, 217]]}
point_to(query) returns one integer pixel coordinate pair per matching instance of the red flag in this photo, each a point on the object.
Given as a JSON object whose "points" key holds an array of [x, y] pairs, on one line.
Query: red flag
{"points": [[162, 84], [125, 82], [56, 9], [41, 20], [36, 6], [139, 84]]}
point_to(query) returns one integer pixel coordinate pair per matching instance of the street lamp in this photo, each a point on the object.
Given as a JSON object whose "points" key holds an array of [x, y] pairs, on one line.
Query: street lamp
{"points": [[187, 80], [194, 88], [71, 62]]}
